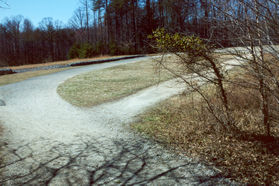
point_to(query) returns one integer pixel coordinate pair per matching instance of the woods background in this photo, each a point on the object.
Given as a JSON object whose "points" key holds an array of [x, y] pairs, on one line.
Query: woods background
{"points": [[118, 27]]}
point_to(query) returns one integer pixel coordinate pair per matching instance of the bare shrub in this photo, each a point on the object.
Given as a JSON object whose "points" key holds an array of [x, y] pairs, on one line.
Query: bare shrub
{"points": [[196, 65]]}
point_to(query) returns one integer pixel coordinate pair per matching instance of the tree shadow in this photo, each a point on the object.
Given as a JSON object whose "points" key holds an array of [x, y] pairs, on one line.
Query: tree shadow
{"points": [[264, 144], [90, 162]]}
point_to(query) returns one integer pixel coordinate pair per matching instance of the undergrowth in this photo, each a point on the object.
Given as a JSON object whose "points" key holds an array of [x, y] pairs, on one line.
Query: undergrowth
{"points": [[184, 122]]}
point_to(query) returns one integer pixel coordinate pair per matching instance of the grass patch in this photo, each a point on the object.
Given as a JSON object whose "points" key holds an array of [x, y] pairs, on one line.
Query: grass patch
{"points": [[13, 78], [184, 123], [109, 84]]}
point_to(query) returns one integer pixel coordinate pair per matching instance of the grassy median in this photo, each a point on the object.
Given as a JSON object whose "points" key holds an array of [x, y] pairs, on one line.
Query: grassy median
{"points": [[13, 78], [100, 86]]}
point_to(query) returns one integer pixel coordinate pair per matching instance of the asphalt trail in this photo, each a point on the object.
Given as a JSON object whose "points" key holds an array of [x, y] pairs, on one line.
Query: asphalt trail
{"points": [[47, 141]]}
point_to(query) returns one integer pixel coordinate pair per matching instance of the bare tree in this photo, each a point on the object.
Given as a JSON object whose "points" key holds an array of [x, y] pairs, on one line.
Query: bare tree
{"points": [[253, 28], [13, 27], [259, 38], [27, 39], [195, 65], [86, 8], [47, 25], [77, 22]]}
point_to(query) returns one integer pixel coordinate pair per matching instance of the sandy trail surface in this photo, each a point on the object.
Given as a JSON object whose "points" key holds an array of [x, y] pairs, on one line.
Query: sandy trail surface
{"points": [[47, 141]]}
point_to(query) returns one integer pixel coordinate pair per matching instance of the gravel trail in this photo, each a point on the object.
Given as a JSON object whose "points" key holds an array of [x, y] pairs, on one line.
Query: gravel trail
{"points": [[50, 142]]}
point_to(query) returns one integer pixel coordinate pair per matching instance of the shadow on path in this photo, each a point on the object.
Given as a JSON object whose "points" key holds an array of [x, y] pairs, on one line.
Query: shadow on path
{"points": [[90, 162]]}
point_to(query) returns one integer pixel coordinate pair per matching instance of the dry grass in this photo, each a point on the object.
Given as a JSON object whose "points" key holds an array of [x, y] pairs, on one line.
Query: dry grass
{"points": [[59, 62], [223, 56], [183, 122], [13, 78], [109, 84]]}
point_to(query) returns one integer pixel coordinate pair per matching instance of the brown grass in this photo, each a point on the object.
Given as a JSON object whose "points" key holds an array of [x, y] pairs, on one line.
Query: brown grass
{"points": [[184, 123], [13, 78]]}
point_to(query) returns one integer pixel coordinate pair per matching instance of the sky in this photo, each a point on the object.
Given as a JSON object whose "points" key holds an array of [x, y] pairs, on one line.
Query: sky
{"points": [[36, 10]]}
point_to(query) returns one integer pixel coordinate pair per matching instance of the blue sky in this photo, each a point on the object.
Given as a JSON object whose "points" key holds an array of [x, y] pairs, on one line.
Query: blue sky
{"points": [[36, 10]]}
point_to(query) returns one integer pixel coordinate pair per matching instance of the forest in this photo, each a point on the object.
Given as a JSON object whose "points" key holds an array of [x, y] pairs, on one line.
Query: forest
{"points": [[117, 27]]}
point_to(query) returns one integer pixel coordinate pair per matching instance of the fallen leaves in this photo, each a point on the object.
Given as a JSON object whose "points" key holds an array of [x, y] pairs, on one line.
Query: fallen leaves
{"points": [[250, 159]]}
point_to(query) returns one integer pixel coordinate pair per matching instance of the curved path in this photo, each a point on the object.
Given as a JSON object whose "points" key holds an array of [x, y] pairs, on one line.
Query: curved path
{"points": [[51, 142]]}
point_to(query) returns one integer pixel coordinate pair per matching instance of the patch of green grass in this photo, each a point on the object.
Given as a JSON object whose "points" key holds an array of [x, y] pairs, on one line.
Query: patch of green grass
{"points": [[13, 78], [109, 84]]}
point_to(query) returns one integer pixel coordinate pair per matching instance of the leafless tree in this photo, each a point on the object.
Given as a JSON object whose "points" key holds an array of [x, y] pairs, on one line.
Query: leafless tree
{"points": [[195, 65], [256, 30], [86, 9], [13, 27], [77, 22]]}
